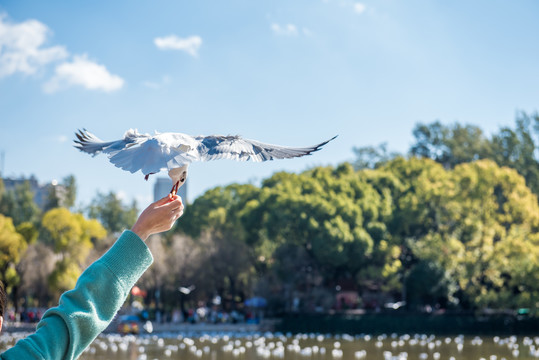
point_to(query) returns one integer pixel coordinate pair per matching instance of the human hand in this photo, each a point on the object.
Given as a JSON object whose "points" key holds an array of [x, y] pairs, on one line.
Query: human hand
{"points": [[158, 217]]}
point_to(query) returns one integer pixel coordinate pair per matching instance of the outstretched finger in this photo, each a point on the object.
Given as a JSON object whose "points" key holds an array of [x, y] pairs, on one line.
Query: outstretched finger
{"points": [[164, 200]]}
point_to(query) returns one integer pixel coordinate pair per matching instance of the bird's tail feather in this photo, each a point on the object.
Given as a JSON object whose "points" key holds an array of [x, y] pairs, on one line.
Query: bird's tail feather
{"points": [[89, 143]]}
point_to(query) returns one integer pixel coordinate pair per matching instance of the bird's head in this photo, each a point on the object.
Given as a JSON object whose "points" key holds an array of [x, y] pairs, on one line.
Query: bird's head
{"points": [[178, 175]]}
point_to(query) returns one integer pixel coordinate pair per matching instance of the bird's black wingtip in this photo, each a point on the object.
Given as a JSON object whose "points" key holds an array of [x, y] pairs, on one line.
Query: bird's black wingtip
{"points": [[83, 138], [319, 146], [80, 138]]}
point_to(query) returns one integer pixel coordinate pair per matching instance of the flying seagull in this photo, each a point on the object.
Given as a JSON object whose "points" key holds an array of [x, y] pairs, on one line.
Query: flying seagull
{"points": [[175, 151]]}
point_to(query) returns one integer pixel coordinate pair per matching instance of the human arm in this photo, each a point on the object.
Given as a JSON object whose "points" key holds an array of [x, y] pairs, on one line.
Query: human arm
{"points": [[84, 312]]}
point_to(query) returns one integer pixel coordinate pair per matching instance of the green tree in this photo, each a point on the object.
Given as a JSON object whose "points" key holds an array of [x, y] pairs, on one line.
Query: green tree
{"points": [[472, 224], [112, 213], [12, 247], [455, 144], [63, 277], [28, 231], [519, 148], [19, 204], [450, 145], [334, 217], [70, 236], [218, 215], [428, 284], [498, 216], [415, 190], [371, 157], [69, 183], [52, 200]]}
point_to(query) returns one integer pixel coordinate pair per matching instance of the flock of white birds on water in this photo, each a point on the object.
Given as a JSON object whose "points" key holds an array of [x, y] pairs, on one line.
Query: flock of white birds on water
{"points": [[243, 345]]}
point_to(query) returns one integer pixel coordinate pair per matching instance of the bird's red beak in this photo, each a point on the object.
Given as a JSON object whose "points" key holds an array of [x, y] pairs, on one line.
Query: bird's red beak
{"points": [[175, 188]]}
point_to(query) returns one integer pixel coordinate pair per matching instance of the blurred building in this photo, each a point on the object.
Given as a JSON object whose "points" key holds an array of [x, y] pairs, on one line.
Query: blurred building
{"points": [[42, 192], [162, 187]]}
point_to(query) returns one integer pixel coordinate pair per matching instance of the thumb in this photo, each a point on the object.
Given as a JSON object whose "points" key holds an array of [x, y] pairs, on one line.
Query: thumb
{"points": [[173, 203]]}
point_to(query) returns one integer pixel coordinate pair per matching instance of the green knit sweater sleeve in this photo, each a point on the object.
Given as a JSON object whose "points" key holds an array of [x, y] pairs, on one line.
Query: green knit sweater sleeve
{"points": [[84, 312]]}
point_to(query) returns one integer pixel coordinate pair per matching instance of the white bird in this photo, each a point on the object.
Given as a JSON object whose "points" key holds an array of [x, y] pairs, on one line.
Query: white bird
{"points": [[175, 151], [186, 290]]}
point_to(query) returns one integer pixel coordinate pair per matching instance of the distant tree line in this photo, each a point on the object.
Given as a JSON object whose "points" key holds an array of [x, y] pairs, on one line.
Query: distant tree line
{"points": [[455, 144], [466, 238], [454, 223], [43, 251]]}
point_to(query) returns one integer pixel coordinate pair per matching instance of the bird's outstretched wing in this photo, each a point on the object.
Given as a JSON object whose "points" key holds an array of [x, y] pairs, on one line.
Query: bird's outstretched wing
{"points": [[134, 152], [153, 153], [236, 148]]}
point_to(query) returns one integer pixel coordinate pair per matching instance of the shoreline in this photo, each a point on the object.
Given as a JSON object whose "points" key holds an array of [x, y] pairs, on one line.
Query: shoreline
{"points": [[264, 326], [381, 323]]}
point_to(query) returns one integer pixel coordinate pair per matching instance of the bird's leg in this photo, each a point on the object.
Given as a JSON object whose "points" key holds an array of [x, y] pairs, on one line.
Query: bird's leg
{"points": [[175, 188]]}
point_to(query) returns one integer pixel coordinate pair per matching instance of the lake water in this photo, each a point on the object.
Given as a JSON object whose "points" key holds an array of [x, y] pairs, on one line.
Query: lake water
{"points": [[244, 346]]}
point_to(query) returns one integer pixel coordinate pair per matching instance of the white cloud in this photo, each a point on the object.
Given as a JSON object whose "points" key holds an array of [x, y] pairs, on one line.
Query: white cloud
{"points": [[152, 85], [359, 8], [22, 50], [21, 47], [156, 85], [85, 73], [172, 42], [285, 30], [289, 30], [307, 32]]}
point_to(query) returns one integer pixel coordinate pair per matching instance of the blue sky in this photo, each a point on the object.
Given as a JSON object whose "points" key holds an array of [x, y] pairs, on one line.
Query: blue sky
{"points": [[280, 71]]}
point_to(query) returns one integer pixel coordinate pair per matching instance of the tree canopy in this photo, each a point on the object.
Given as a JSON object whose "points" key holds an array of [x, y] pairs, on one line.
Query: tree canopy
{"points": [[112, 213], [412, 228], [12, 246]]}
